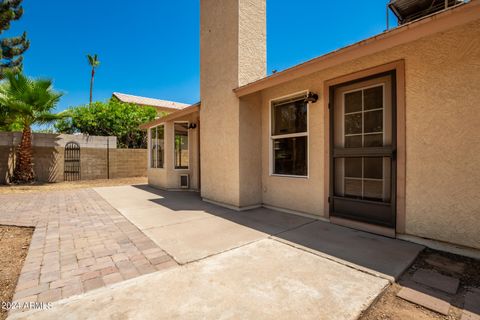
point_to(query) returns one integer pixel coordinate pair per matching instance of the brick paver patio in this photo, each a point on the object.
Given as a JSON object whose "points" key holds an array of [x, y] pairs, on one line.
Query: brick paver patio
{"points": [[80, 243]]}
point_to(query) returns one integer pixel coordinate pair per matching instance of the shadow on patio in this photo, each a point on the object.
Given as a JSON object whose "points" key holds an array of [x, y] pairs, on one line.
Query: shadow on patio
{"points": [[375, 254]]}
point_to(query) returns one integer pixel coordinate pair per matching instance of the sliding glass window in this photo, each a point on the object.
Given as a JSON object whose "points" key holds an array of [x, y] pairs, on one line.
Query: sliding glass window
{"points": [[181, 145]]}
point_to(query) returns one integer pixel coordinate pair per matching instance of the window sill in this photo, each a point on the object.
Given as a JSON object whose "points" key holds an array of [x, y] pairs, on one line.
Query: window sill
{"points": [[288, 176]]}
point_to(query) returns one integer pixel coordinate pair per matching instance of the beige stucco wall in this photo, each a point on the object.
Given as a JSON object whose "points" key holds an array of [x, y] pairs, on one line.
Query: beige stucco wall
{"points": [[168, 177], [442, 82], [232, 53], [250, 144], [299, 194], [442, 143]]}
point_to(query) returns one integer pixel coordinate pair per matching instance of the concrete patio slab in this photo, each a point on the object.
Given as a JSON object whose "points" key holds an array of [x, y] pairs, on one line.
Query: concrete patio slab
{"points": [[143, 196], [266, 220], [378, 255], [189, 228], [184, 225], [197, 239], [263, 280], [142, 206], [147, 218]]}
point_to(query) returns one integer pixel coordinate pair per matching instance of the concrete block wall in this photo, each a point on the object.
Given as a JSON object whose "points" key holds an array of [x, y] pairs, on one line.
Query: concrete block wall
{"points": [[93, 164], [95, 160], [60, 140], [48, 163], [126, 163], [6, 162]]}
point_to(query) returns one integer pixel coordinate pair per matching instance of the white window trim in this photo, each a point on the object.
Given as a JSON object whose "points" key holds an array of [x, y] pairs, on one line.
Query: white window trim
{"points": [[150, 147], [189, 146], [290, 135]]}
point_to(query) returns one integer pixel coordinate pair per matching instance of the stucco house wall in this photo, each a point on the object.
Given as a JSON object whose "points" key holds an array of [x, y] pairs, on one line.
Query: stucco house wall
{"points": [[442, 76], [250, 156], [438, 147]]}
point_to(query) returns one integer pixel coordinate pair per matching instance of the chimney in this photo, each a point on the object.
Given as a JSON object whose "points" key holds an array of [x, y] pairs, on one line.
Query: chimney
{"points": [[232, 41], [232, 54]]}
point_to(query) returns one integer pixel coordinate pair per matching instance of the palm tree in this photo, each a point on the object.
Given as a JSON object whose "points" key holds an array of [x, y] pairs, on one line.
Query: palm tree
{"points": [[28, 101], [94, 63]]}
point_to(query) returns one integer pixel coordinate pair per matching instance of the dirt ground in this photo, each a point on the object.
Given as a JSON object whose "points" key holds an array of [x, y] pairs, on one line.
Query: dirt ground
{"points": [[47, 187], [391, 307], [14, 243]]}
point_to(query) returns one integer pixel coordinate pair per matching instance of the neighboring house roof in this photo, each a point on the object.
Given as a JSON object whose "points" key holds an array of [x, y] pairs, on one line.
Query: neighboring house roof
{"points": [[434, 23], [162, 105], [172, 116]]}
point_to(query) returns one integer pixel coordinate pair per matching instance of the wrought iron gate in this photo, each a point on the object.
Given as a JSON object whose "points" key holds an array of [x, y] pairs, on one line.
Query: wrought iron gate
{"points": [[72, 162]]}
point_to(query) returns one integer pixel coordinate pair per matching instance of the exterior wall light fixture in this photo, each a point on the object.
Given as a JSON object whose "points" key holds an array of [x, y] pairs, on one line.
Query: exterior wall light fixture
{"points": [[192, 126], [311, 97]]}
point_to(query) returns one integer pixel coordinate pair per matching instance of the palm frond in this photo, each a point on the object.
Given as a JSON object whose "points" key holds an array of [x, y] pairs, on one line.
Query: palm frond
{"points": [[93, 60], [28, 100], [90, 59], [47, 117]]}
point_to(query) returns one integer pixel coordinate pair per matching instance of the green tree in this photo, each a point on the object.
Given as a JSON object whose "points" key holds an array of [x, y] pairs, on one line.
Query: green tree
{"points": [[111, 118], [27, 101], [7, 123], [11, 49], [94, 63], [4, 118], [8, 119]]}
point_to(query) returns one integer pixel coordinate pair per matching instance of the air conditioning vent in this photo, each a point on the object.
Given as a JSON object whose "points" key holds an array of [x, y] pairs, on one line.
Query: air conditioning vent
{"points": [[184, 181]]}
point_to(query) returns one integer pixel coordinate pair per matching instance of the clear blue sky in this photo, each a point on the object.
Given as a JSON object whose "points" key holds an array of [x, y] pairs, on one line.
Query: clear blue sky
{"points": [[151, 47]]}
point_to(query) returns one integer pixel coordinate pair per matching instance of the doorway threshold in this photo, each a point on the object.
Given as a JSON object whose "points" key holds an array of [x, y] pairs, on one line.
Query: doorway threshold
{"points": [[383, 231]]}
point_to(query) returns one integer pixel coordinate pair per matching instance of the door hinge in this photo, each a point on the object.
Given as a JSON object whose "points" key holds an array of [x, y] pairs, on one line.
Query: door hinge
{"points": [[328, 200]]}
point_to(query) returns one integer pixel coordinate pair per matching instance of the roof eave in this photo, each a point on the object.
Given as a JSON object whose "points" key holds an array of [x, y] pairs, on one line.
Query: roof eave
{"points": [[119, 98], [172, 116]]}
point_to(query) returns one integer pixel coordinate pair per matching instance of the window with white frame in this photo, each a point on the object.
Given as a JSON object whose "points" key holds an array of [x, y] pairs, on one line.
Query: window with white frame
{"points": [[289, 137], [157, 144], [181, 145]]}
